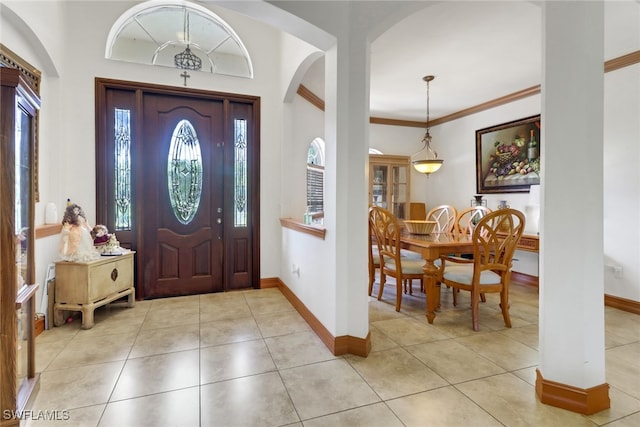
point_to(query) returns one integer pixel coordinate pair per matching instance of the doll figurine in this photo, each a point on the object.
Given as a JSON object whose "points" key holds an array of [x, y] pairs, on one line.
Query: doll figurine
{"points": [[76, 243], [100, 235], [105, 242]]}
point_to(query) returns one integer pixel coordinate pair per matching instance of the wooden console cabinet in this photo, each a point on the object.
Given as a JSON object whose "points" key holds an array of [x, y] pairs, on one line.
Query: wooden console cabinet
{"points": [[85, 286], [529, 242]]}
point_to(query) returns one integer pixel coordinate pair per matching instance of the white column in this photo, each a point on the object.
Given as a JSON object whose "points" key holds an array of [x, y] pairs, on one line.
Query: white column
{"points": [[347, 117], [346, 114], [571, 348], [352, 24]]}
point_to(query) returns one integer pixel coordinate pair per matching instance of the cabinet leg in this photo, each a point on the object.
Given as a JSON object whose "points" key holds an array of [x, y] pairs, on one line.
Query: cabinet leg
{"points": [[132, 298], [87, 317], [57, 317]]}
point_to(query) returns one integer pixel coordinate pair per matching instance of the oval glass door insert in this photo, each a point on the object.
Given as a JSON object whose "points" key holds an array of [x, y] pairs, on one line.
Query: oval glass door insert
{"points": [[184, 172]]}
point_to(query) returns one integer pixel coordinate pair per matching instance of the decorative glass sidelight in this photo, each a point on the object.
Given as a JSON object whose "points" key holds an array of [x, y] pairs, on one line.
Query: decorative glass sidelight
{"points": [[184, 172], [240, 173], [122, 187]]}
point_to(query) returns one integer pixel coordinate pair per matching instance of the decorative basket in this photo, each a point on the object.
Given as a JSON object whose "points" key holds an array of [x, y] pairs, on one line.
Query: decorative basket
{"points": [[420, 227], [504, 158]]}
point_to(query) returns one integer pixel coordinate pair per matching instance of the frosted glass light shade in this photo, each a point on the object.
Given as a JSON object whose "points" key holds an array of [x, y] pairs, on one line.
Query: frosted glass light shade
{"points": [[427, 166]]}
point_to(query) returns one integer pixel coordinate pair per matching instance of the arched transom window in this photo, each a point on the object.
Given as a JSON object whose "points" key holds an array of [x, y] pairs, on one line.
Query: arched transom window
{"points": [[180, 35]]}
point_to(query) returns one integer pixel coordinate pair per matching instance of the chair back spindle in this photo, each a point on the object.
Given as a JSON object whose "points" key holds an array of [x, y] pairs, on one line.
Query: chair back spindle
{"points": [[445, 216], [469, 218]]}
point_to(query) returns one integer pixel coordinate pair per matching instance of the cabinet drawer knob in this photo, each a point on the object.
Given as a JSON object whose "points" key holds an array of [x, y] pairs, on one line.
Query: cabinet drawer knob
{"points": [[114, 274]]}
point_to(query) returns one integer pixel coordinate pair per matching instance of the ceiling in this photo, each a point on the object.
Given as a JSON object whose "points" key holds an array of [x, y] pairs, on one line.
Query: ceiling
{"points": [[477, 51]]}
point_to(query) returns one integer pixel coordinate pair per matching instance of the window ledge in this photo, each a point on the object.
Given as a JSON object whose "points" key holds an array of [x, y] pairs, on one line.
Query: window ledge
{"points": [[48, 230], [294, 224], [25, 294]]}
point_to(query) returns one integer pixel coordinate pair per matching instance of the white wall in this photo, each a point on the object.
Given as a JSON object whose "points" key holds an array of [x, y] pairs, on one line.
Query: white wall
{"points": [[22, 40], [622, 154], [74, 47], [67, 129], [312, 256], [622, 183], [455, 182]]}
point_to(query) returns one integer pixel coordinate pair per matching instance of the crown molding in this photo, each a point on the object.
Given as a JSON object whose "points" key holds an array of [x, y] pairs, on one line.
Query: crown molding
{"points": [[610, 65]]}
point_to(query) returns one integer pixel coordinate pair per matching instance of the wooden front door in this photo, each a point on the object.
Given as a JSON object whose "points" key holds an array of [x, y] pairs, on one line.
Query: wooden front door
{"points": [[183, 196], [194, 184]]}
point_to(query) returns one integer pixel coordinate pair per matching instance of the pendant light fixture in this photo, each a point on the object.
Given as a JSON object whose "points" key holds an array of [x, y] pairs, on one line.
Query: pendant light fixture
{"points": [[431, 163], [187, 60]]}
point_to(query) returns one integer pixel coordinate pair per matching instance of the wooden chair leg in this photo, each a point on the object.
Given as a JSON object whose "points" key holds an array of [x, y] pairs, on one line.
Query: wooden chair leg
{"points": [[407, 286], [504, 305], [372, 278], [475, 309], [398, 293], [410, 286], [383, 278], [454, 292]]}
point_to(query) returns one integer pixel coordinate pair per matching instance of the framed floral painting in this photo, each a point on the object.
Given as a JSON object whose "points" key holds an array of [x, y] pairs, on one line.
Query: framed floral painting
{"points": [[508, 156]]}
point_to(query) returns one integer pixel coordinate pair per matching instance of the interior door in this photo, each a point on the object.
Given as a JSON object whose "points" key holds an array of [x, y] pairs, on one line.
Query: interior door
{"points": [[183, 204]]}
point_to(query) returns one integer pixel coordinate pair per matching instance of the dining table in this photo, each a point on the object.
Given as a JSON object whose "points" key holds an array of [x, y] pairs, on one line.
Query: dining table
{"points": [[432, 246]]}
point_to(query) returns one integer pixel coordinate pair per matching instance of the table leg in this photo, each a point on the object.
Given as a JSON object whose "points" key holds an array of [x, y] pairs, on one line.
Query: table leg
{"points": [[432, 289]]}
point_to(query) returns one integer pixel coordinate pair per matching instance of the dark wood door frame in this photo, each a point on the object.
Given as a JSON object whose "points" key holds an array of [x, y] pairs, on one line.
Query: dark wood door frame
{"points": [[125, 94]]}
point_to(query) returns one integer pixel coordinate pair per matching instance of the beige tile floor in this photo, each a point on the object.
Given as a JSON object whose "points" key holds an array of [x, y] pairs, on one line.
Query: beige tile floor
{"points": [[248, 359]]}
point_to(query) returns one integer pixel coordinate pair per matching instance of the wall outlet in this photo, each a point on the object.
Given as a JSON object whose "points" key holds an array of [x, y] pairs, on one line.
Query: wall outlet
{"points": [[617, 271]]}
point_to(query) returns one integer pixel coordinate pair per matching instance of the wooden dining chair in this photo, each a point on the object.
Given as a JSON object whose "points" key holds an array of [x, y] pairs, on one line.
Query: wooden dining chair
{"points": [[404, 269], [445, 216], [374, 257], [494, 238], [468, 218], [466, 221]]}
